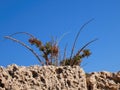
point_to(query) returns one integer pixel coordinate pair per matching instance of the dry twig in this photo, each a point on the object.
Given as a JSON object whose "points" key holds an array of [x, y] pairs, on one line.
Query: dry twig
{"points": [[23, 44], [78, 36]]}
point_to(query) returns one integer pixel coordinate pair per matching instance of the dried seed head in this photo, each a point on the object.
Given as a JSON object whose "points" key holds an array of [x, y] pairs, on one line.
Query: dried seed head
{"points": [[55, 50], [86, 52], [35, 41]]}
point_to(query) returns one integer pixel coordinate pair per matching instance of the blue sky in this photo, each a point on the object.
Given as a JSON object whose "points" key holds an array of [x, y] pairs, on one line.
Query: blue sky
{"points": [[46, 18]]}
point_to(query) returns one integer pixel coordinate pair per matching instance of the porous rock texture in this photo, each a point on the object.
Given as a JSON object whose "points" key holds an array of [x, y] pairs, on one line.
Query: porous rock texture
{"points": [[37, 77], [103, 81], [42, 78]]}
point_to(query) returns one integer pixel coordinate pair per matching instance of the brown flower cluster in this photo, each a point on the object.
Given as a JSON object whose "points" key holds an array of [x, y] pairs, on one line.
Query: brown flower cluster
{"points": [[49, 50]]}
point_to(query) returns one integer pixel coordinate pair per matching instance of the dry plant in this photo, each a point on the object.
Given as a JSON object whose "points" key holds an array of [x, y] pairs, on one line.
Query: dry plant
{"points": [[77, 58], [50, 50]]}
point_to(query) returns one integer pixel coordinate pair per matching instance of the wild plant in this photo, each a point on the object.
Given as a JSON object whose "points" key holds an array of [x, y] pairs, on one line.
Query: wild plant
{"points": [[82, 53], [50, 50]]}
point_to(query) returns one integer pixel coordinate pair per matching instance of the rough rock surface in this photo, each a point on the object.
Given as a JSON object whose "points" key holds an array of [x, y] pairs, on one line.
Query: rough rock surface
{"points": [[103, 81], [42, 78], [56, 78]]}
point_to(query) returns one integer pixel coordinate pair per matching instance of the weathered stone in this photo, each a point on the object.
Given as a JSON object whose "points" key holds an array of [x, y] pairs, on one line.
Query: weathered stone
{"points": [[42, 78], [103, 81], [56, 78]]}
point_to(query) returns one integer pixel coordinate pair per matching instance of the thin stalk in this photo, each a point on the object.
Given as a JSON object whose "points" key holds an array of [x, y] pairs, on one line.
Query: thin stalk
{"points": [[85, 46], [78, 36], [23, 44], [64, 34], [22, 33], [64, 57]]}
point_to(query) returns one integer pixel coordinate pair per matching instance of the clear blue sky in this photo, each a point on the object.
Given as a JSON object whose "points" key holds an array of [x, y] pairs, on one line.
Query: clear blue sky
{"points": [[46, 18]]}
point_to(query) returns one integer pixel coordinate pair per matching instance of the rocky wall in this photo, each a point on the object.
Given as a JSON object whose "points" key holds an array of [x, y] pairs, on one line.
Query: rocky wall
{"points": [[42, 78], [36, 77]]}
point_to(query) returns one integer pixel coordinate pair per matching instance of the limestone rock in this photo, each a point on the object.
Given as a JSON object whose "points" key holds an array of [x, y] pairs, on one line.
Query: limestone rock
{"points": [[42, 78], [103, 81], [37, 77]]}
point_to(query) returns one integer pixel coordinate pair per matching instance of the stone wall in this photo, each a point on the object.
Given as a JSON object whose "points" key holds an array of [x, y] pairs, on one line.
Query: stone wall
{"points": [[56, 78]]}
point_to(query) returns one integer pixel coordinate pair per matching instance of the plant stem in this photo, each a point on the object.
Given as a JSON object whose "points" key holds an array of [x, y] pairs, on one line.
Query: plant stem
{"points": [[23, 44], [85, 46], [78, 36]]}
